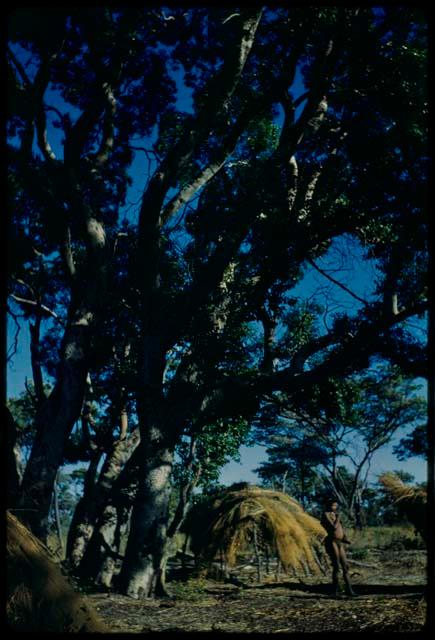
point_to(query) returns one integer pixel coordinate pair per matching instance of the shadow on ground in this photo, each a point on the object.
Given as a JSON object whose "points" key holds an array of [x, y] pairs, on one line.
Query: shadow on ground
{"points": [[360, 589]]}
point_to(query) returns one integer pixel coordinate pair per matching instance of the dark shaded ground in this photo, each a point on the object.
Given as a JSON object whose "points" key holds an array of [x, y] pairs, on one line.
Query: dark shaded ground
{"points": [[390, 597]]}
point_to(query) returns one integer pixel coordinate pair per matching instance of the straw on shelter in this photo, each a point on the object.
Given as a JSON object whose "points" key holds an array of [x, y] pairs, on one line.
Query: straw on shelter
{"points": [[239, 517], [411, 501]]}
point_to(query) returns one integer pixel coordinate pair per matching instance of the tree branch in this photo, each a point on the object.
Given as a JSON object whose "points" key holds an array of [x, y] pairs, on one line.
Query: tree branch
{"points": [[25, 78], [337, 282], [34, 303], [13, 348], [107, 142], [269, 327], [35, 358], [214, 108]]}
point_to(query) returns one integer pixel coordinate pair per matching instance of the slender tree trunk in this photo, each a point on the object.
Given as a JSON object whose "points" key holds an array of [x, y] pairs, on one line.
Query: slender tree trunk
{"points": [[57, 515], [284, 481], [278, 568], [185, 491], [267, 559], [302, 476], [35, 358], [14, 472], [80, 529], [257, 554], [98, 558], [358, 511], [179, 516]]}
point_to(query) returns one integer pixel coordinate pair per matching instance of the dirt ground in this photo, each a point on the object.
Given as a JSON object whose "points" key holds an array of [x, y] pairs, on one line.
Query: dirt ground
{"points": [[390, 588]]}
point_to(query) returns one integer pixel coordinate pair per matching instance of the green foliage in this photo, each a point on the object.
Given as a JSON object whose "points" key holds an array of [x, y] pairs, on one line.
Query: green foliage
{"points": [[215, 445], [23, 410], [414, 444], [192, 590], [261, 137]]}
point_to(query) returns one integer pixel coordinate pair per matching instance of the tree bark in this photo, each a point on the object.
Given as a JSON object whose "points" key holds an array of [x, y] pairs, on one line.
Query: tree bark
{"points": [[57, 515], [13, 461], [54, 423], [80, 529], [35, 358], [91, 512], [98, 558], [143, 570]]}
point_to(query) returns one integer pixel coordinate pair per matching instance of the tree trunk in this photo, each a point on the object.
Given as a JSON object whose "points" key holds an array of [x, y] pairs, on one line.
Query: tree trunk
{"points": [[142, 573], [13, 461], [80, 529], [57, 515], [59, 412], [93, 509], [100, 548], [358, 511], [35, 358], [108, 566], [257, 555], [266, 551], [54, 423], [278, 568]]}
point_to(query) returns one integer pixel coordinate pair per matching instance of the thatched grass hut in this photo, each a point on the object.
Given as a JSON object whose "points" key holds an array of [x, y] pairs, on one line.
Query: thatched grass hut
{"points": [[410, 501], [38, 596], [249, 516]]}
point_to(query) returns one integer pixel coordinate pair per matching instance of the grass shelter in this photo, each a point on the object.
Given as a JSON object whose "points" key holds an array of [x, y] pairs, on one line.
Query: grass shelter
{"points": [[248, 517]]}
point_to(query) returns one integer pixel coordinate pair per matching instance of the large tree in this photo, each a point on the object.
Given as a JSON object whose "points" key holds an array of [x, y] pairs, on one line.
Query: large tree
{"points": [[306, 125]]}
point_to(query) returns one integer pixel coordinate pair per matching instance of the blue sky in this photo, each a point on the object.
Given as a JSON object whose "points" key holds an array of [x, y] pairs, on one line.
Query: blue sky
{"points": [[358, 275]]}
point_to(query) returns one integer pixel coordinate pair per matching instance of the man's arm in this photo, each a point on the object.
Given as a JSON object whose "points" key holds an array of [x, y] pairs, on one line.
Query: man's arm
{"points": [[329, 521]]}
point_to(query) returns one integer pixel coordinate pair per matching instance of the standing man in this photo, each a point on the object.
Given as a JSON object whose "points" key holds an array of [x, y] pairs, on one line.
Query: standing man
{"points": [[334, 545]]}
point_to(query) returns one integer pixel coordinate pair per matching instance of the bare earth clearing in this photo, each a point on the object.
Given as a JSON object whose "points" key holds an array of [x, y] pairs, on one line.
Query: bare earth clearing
{"points": [[390, 597]]}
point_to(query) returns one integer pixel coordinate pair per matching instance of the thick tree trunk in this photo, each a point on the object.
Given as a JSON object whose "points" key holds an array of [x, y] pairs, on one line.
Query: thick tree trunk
{"points": [[100, 547], [142, 573], [109, 565], [92, 510], [54, 423], [110, 532], [59, 412]]}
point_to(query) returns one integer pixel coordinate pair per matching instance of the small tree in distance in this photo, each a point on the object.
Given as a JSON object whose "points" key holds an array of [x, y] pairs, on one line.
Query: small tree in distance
{"points": [[349, 420]]}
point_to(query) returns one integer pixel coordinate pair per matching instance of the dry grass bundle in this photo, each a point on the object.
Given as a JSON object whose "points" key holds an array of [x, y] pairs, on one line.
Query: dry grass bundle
{"points": [[39, 597], [411, 501], [279, 520]]}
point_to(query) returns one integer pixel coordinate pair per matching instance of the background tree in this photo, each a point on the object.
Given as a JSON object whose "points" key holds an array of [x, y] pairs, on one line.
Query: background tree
{"points": [[346, 420]]}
